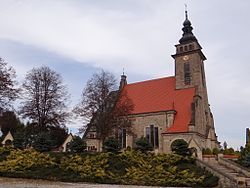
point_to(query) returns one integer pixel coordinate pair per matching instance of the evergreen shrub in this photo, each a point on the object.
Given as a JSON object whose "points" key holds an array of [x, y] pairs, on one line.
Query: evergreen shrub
{"points": [[77, 145], [207, 151], [128, 167], [111, 145], [180, 147], [143, 145]]}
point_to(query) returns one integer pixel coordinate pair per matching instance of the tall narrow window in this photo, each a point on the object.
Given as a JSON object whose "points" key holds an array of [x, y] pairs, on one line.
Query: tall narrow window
{"points": [[202, 76], [152, 135], [148, 133], [122, 135], [152, 139], [156, 137], [187, 74]]}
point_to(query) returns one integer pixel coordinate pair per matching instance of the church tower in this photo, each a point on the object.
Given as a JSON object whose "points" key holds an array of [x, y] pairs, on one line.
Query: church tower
{"points": [[190, 72], [189, 66]]}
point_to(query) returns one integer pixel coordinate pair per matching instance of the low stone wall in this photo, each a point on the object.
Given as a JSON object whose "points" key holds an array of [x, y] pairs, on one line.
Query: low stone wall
{"points": [[226, 181]]}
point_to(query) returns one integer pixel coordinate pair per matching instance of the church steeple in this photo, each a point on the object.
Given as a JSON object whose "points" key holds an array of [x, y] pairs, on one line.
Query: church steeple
{"points": [[189, 69], [187, 35], [123, 81]]}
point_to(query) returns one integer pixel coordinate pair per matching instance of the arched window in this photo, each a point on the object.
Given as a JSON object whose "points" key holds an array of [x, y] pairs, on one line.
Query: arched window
{"points": [[152, 135]]}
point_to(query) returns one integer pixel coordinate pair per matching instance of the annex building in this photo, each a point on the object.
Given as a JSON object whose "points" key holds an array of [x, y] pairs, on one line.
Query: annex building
{"points": [[170, 108]]}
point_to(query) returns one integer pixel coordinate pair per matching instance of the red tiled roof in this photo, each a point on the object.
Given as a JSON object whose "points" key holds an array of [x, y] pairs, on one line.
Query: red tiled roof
{"points": [[160, 95]]}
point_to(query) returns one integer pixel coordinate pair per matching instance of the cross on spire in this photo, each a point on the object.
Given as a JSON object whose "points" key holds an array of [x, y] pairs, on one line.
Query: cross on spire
{"points": [[186, 14]]}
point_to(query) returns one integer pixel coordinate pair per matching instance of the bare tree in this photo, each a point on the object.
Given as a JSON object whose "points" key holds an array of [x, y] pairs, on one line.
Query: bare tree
{"points": [[103, 106], [44, 97], [95, 94], [8, 92]]}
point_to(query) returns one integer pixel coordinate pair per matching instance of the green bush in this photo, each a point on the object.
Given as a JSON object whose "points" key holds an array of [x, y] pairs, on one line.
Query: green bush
{"points": [[210, 181], [90, 168], [143, 145], [229, 151], [23, 160], [77, 145], [4, 152], [207, 151], [19, 141], [216, 151], [111, 145], [42, 142], [180, 147], [128, 167], [246, 161], [244, 158]]}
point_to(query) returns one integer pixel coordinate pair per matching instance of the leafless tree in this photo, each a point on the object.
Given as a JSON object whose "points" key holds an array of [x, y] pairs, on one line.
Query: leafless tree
{"points": [[8, 92], [44, 97], [95, 94], [103, 106]]}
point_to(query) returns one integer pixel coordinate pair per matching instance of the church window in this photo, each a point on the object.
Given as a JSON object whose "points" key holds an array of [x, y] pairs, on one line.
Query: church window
{"points": [[202, 76], [186, 48], [181, 49], [152, 135], [206, 116], [122, 135], [187, 74]]}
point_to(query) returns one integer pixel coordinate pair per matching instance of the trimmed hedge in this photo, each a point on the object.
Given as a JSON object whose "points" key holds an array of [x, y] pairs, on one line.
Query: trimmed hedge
{"points": [[129, 167]]}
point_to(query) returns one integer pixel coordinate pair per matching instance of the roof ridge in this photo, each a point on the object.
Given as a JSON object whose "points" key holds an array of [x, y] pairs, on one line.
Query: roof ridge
{"points": [[151, 80]]}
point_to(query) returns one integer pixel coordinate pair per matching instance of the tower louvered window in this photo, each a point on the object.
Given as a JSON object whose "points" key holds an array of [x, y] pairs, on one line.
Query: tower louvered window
{"points": [[187, 74]]}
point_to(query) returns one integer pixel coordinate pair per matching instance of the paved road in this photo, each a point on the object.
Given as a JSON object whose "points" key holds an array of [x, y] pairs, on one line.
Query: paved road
{"points": [[26, 183]]}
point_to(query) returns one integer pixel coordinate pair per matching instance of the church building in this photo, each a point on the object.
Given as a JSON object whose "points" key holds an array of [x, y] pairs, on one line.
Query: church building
{"points": [[175, 107]]}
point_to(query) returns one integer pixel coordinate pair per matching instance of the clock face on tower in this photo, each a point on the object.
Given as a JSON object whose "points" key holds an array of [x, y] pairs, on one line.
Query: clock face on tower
{"points": [[185, 58]]}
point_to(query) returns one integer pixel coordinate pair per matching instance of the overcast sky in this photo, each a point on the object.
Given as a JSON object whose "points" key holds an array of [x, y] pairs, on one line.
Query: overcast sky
{"points": [[78, 37]]}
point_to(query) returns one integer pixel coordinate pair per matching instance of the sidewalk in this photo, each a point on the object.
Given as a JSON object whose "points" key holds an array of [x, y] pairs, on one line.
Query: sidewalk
{"points": [[29, 183]]}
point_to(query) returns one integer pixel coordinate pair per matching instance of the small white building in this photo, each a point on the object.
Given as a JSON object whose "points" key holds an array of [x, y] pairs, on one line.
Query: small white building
{"points": [[7, 140], [69, 138]]}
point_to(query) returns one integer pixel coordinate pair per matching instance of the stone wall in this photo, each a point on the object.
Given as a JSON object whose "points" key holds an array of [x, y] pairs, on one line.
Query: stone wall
{"points": [[140, 122], [193, 139]]}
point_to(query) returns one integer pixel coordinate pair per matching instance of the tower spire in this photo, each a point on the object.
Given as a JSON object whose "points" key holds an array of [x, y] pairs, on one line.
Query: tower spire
{"points": [[123, 81], [187, 35]]}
